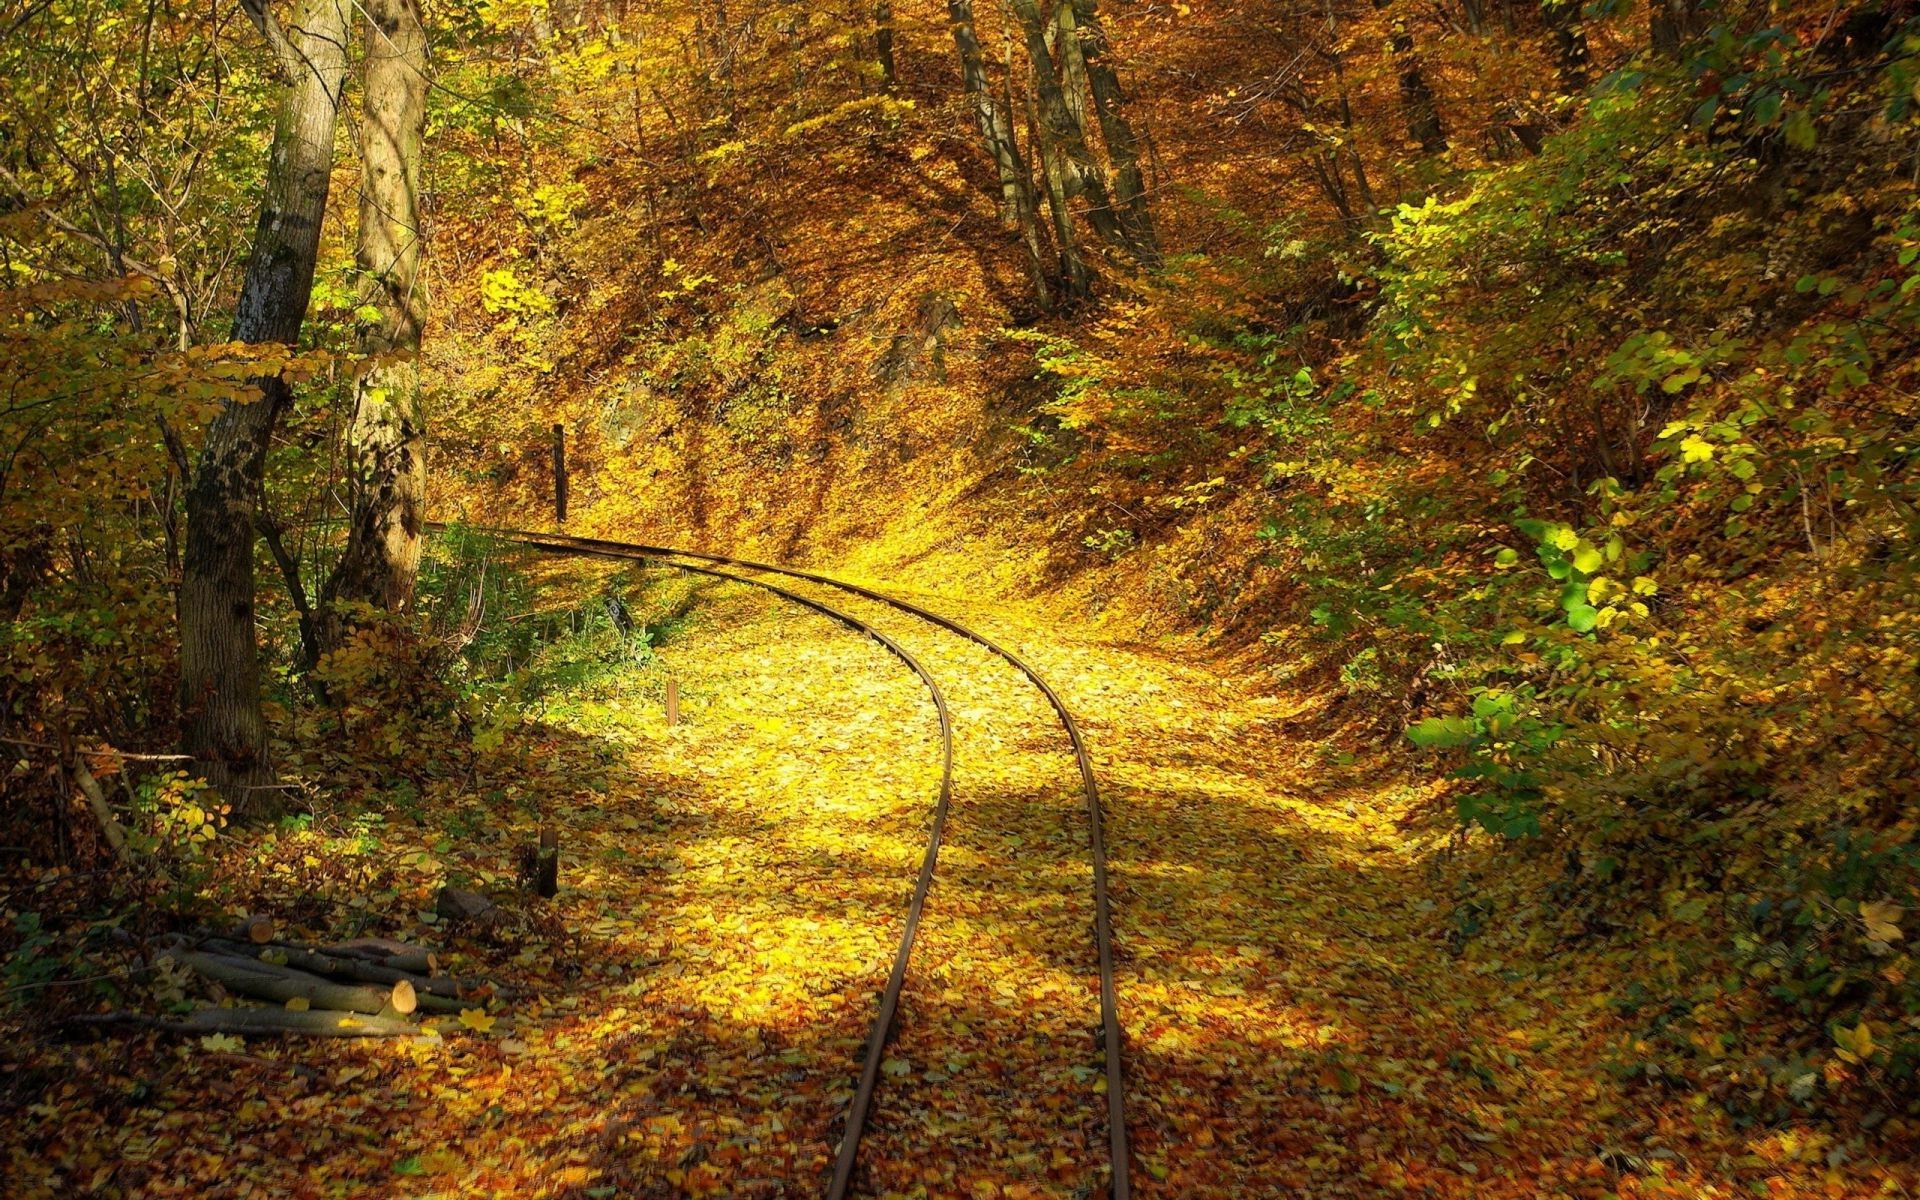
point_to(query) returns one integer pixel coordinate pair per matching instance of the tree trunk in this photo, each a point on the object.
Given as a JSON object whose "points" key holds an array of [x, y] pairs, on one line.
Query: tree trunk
{"points": [[250, 1022], [1672, 24], [1416, 98], [995, 122], [222, 726], [1073, 64], [1071, 166], [883, 44], [1123, 144], [1370, 214], [386, 439], [1076, 279], [1571, 55]]}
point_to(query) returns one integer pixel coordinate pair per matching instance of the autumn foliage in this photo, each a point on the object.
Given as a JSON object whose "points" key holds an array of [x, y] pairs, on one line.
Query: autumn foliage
{"points": [[1464, 472]]}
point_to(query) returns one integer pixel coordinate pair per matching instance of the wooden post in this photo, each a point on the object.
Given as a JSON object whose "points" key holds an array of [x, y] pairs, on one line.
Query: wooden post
{"points": [[559, 472], [673, 702], [546, 879]]}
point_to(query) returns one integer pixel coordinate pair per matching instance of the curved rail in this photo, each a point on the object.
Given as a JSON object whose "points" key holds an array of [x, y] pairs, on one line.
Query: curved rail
{"points": [[1103, 925]]}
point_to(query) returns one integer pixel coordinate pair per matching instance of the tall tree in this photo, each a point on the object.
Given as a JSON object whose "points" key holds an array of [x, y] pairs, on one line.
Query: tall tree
{"points": [[386, 450], [1572, 56], [1671, 24], [1071, 168], [1417, 105], [222, 725], [994, 119], [883, 45], [1123, 143]]}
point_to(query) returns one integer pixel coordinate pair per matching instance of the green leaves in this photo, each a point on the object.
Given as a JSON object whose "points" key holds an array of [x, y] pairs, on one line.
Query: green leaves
{"points": [[1443, 733]]}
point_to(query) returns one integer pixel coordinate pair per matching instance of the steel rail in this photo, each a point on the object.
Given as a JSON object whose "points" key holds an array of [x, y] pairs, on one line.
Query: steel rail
{"points": [[897, 977], [1103, 926]]}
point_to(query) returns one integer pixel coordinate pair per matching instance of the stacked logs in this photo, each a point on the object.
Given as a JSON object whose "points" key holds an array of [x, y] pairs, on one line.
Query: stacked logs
{"points": [[367, 987]]}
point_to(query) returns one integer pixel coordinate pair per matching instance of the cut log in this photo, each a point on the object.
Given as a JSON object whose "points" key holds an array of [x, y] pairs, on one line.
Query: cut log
{"points": [[405, 1000], [256, 929], [384, 950], [340, 966], [458, 904], [257, 1022], [264, 981]]}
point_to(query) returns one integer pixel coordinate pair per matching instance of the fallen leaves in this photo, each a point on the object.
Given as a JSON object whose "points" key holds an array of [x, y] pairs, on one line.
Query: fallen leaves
{"points": [[477, 1020], [1297, 1021]]}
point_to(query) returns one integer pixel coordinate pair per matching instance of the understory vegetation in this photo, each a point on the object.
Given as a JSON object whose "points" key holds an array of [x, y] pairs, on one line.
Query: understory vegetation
{"points": [[1603, 488]]}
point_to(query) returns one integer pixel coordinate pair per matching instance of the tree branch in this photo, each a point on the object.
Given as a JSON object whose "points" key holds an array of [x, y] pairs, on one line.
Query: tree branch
{"points": [[291, 61]]}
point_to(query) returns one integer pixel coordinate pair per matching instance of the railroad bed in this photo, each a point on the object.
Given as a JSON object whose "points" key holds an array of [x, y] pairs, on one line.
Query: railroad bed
{"points": [[1025, 868]]}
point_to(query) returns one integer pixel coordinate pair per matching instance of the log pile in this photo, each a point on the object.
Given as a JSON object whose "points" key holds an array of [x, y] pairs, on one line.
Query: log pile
{"points": [[368, 987]]}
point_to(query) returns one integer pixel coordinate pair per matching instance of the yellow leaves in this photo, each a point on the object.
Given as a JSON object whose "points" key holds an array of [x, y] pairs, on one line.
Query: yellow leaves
{"points": [[896, 1067], [1881, 919], [552, 205], [887, 108], [477, 1020], [1855, 1045], [502, 292], [222, 1043], [1695, 449]]}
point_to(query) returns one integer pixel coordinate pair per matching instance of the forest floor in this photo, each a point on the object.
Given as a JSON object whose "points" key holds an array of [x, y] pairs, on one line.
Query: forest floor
{"points": [[1304, 1013]]}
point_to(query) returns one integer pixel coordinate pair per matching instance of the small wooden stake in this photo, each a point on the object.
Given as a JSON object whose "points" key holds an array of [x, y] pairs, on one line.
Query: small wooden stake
{"points": [[673, 702], [546, 876], [560, 472]]}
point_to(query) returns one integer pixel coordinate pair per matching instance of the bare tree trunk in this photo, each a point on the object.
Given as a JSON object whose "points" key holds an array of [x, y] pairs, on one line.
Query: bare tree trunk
{"points": [[883, 44], [386, 439], [1571, 55], [1672, 24], [1076, 279], [1123, 144], [1073, 64], [1417, 104], [1063, 141], [1370, 214], [995, 122], [222, 725]]}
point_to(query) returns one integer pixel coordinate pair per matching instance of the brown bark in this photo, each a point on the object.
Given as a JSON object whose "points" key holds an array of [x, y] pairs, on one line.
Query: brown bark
{"points": [[261, 981], [386, 439], [1417, 104], [1076, 279], [339, 966], [1572, 58], [883, 44], [1123, 143], [222, 725], [995, 123], [1671, 24], [1071, 167], [255, 1021]]}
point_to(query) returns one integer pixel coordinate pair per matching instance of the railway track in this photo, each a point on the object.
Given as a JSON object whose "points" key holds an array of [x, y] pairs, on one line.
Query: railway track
{"points": [[699, 562]]}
